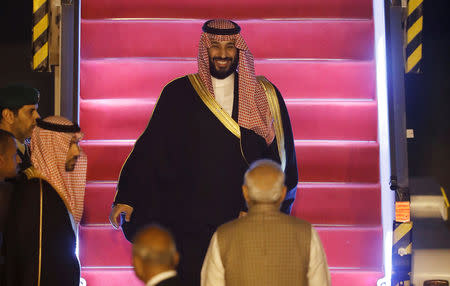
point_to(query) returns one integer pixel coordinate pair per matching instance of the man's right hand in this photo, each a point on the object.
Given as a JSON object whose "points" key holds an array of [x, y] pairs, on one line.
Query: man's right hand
{"points": [[116, 211]]}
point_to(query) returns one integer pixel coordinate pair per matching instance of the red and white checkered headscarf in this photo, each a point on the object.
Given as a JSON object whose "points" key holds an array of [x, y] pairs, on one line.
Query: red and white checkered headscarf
{"points": [[48, 155], [254, 112]]}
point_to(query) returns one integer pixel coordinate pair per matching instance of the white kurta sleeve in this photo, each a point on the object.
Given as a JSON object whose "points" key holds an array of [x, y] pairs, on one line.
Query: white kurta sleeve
{"points": [[213, 273], [318, 273]]}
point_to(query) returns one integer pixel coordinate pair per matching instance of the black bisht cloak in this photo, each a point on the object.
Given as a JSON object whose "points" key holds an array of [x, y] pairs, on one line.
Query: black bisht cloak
{"points": [[186, 170], [40, 238]]}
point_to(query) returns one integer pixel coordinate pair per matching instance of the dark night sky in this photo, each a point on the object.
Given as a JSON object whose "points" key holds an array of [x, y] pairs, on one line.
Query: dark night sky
{"points": [[15, 51]]}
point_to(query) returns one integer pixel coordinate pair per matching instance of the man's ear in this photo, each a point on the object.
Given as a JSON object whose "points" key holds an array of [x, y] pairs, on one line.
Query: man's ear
{"points": [[8, 115], [245, 193], [176, 259], [138, 266], [2, 160], [283, 195]]}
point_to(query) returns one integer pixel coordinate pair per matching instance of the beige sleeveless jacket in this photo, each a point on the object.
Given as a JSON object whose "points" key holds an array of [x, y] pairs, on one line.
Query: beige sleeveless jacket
{"points": [[266, 247]]}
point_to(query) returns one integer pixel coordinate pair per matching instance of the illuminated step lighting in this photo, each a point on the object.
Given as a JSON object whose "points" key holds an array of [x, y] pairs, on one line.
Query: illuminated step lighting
{"points": [[387, 196]]}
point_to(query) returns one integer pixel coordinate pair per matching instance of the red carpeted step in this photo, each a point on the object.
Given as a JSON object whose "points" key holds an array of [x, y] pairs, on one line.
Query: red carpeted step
{"points": [[98, 201], [115, 118], [101, 245], [359, 277], [340, 204], [104, 246], [320, 203], [333, 120], [110, 78], [117, 276], [111, 276], [337, 39], [310, 119], [231, 9], [358, 246], [318, 161], [337, 161], [106, 158]]}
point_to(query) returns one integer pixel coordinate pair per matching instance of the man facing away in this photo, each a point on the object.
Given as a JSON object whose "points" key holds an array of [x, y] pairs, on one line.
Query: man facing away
{"points": [[155, 257], [8, 169], [185, 171], [266, 247], [18, 114], [47, 208]]}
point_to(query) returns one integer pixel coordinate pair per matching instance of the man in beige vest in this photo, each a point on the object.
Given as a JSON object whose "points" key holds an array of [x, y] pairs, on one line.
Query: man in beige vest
{"points": [[266, 247]]}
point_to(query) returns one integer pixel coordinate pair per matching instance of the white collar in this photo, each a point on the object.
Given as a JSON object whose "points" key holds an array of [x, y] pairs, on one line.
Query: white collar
{"points": [[20, 146], [160, 277], [222, 82]]}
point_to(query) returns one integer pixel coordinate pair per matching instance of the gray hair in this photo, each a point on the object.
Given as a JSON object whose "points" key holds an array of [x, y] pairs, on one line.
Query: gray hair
{"points": [[155, 256], [270, 191]]}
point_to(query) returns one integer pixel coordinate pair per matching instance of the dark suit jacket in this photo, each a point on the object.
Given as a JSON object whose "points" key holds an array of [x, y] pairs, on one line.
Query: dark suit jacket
{"points": [[173, 281], [6, 190]]}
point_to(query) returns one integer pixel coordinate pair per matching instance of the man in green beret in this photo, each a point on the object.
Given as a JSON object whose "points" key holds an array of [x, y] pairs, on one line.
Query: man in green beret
{"points": [[18, 114]]}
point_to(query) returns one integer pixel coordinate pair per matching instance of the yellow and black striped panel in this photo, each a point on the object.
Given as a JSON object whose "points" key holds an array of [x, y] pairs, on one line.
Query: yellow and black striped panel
{"points": [[40, 35], [445, 196], [414, 28], [446, 203], [401, 254], [401, 244]]}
